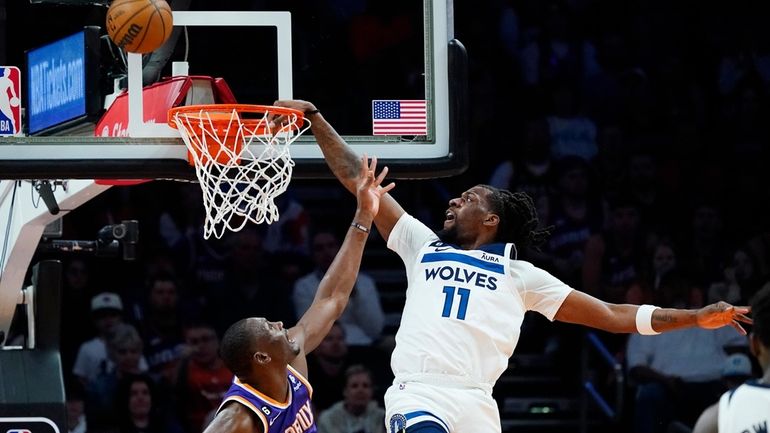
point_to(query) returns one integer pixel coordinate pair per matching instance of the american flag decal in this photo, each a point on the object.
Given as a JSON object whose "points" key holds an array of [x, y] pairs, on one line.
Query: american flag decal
{"points": [[399, 117]]}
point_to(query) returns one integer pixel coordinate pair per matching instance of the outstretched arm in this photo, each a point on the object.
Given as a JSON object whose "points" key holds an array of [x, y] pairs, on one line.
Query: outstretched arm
{"points": [[335, 287], [584, 309], [344, 163]]}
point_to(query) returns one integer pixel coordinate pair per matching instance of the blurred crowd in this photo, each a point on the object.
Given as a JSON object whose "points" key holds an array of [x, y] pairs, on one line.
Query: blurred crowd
{"points": [[148, 360], [638, 128]]}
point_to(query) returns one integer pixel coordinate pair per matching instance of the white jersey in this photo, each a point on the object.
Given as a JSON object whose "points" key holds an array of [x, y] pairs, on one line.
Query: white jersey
{"points": [[745, 409], [464, 308]]}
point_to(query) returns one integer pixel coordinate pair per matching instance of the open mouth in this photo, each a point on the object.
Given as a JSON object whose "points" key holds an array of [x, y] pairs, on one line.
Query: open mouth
{"points": [[449, 215]]}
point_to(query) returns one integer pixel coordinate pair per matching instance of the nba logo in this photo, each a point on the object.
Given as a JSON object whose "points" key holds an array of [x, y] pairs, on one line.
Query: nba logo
{"points": [[10, 100], [18, 430]]}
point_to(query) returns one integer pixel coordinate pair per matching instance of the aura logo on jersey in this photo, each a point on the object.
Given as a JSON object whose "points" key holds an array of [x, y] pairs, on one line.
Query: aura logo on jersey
{"points": [[489, 257]]}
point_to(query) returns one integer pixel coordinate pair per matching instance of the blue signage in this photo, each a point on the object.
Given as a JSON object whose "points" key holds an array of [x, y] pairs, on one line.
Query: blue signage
{"points": [[56, 77]]}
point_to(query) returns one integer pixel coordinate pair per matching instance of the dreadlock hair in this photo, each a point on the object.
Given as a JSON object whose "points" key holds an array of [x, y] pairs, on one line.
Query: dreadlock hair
{"points": [[518, 218], [760, 312], [235, 349]]}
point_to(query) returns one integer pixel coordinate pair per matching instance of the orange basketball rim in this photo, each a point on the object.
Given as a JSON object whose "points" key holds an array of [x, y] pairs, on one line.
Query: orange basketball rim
{"points": [[221, 130]]}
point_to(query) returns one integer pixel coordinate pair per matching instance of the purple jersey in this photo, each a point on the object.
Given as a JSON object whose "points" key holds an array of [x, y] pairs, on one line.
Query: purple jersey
{"points": [[293, 416]]}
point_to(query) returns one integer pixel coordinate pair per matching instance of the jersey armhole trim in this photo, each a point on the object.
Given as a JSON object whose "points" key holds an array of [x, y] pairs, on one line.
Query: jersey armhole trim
{"points": [[249, 405], [268, 399]]}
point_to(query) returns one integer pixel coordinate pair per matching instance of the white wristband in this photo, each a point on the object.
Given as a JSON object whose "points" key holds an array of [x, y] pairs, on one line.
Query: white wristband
{"points": [[644, 320]]}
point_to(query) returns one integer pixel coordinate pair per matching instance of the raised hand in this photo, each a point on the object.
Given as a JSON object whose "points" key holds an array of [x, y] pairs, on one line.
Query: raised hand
{"points": [[297, 104], [722, 314], [369, 190], [278, 119]]}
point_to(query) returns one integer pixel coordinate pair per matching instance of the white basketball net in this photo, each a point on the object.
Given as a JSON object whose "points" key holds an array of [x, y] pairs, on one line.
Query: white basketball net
{"points": [[239, 185]]}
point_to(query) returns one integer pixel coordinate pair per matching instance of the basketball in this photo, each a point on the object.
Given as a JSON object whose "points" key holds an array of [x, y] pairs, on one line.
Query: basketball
{"points": [[14, 101], [139, 26]]}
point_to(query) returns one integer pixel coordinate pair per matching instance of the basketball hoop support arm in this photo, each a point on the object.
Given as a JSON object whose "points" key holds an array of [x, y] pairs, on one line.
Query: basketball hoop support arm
{"points": [[22, 224]]}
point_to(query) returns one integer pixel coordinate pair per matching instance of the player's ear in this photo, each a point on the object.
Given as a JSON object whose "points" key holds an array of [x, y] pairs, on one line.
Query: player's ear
{"points": [[491, 220], [755, 345], [261, 357]]}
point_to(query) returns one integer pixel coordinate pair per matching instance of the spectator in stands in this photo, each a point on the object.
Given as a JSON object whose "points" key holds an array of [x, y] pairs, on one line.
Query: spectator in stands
{"points": [[558, 53], [290, 232], [290, 267], [159, 325], [614, 258], [575, 214], [251, 286], [75, 406], [740, 279], [529, 171], [736, 370], [571, 133], [326, 365], [608, 164], [137, 407], [643, 186], [703, 249], [201, 263], [180, 224], [363, 318], [92, 359], [357, 412], [759, 246], [678, 374], [663, 263], [124, 348], [661, 270], [76, 296], [203, 378]]}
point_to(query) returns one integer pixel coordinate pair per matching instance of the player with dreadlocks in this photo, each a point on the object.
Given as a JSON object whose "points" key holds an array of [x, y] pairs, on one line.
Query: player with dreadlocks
{"points": [[467, 294]]}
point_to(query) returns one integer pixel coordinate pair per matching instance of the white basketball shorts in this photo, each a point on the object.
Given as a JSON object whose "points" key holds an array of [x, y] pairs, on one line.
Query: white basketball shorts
{"points": [[457, 409]]}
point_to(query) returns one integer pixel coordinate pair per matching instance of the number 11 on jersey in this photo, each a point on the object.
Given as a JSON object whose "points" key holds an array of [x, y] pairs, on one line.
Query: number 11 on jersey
{"points": [[449, 296]]}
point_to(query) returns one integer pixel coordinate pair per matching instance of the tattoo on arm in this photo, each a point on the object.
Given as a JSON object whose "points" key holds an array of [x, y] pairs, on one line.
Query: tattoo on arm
{"points": [[342, 160], [663, 317], [351, 164]]}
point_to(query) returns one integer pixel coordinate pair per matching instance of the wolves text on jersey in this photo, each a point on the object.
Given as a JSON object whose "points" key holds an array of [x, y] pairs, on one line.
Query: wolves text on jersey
{"points": [[461, 275]]}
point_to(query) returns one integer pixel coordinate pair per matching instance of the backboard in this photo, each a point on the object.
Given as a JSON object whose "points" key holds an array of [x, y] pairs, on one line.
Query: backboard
{"points": [[343, 56]]}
